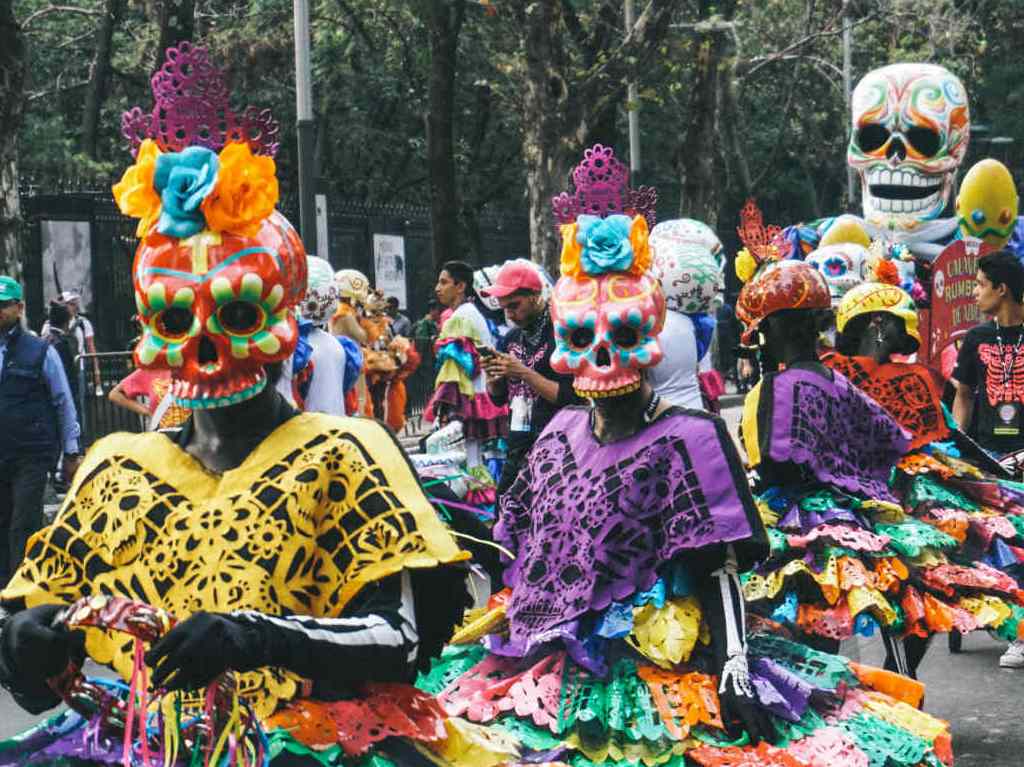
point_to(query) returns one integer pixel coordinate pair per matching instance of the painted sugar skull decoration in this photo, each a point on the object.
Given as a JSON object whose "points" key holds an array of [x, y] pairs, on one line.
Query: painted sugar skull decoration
{"points": [[607, 311], [911, 125], [689, 263], [842, 265], [219, 272], [321, 300]]}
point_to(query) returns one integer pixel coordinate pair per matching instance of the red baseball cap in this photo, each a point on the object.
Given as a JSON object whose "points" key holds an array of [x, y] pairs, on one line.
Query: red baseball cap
{"points": [[514, 275]]}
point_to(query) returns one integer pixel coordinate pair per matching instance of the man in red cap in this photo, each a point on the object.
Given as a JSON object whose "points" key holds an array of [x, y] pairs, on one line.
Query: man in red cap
{"points": [[522, 377]]}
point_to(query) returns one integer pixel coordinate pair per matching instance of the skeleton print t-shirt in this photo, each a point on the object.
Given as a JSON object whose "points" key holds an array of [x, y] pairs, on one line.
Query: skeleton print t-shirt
{"points": [[991, 361]]}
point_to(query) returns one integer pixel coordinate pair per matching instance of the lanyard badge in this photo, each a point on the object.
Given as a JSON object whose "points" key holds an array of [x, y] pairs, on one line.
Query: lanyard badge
{"points": [[1008, 412]]}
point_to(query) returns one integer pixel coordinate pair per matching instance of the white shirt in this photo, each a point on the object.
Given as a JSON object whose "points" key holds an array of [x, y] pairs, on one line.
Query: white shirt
{"points": [[675, 378], [326, 393]]}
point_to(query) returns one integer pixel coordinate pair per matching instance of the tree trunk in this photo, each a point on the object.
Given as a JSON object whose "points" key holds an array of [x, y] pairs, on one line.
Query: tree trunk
{"points": [[12, 83], [444, 20], [99, 74], [546, 130], [698, 180], [734, 150], [176, 19]]}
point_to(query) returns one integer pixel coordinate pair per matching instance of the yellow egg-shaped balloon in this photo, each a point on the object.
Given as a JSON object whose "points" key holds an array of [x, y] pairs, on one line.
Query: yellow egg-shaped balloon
{"points": [[986, 207], [846, 229]]}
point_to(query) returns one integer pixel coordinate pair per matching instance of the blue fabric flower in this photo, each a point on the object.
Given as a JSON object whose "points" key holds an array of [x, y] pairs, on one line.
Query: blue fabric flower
{"points": [[183, 180], [606, 245]]}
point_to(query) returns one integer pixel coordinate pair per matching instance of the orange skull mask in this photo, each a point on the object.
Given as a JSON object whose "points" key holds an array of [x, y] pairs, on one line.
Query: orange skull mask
{"points": [[217, 307]]}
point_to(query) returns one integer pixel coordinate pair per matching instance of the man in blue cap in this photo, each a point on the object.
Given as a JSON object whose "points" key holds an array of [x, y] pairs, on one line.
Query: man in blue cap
{"points": [[38, 424]]}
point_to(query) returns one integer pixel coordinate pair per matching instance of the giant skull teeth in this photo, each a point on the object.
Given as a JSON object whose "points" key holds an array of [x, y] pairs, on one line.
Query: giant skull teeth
{"points": [[903, 191]]}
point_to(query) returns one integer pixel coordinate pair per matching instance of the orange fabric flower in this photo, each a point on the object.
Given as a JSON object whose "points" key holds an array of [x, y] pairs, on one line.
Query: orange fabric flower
{"points": [[638, 238], [245, 194], [135, 194], [886, 271], [571, 251]]}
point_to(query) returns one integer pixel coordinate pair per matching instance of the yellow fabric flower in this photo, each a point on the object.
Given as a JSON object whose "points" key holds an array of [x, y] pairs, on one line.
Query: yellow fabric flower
{"points": [[245, 194], [746, 265], [638, 238], [135, 193], [571, 251]]}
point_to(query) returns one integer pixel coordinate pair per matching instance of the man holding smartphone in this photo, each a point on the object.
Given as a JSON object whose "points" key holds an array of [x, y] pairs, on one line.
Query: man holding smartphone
{"points": [[522, 377]]}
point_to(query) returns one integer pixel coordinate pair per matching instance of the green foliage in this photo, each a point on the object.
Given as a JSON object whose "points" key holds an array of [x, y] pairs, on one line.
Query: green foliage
{"points": [[371, 74]]}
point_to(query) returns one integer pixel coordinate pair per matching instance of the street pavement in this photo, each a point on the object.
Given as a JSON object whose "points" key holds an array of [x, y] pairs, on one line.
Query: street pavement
{"points": [[968, 689]]}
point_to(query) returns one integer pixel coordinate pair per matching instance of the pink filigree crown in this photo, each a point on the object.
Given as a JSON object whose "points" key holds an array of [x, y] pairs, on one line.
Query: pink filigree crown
{"points": [[192, 109], [602, 189]]}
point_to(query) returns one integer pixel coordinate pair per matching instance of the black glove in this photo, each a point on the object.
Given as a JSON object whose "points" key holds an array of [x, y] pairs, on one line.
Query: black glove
{"points": [[741, 709], [722, 600], [32, 650], [201, 648]]}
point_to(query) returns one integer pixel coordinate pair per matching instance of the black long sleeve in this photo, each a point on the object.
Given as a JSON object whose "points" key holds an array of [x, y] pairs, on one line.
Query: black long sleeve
{"points": [[376, 639]]}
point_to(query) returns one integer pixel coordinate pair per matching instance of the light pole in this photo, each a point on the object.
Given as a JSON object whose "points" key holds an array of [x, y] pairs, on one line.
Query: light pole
{"points": [[851, 181], [633, 100], [304, 126]]}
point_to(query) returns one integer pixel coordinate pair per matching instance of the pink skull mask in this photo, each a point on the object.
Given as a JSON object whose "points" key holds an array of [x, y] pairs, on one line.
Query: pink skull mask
{"points": [[606, 331], [217, 307]]}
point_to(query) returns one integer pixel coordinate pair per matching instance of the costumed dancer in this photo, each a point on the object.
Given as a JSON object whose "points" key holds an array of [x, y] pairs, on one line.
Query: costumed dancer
{"points": [[313, 378], [688, 263], [353, 290], [622, 637], [460, 387], [379, 364], [295, 551], [843, 550], [946, 481]]}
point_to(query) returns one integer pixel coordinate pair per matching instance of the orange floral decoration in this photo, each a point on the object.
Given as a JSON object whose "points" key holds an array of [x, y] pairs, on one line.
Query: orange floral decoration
{"points": [[571, 251], [135, 194], [245, 194], [886, 271], [638, 239]]}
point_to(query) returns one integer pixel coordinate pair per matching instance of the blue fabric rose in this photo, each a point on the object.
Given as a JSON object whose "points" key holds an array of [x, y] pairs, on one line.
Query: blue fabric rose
{"points": [[183, 180], [606, 245]]}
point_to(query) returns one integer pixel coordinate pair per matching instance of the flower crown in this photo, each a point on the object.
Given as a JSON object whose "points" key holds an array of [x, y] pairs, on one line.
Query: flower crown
{"points": [[596, 246], [185, 192], [198, 164]]}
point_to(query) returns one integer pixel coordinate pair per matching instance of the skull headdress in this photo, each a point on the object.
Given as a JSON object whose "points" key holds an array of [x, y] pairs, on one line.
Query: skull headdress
{"points": [[911, 125], [219, 271], [843, 266], [321, 299], [689, 262], [607, 311]]}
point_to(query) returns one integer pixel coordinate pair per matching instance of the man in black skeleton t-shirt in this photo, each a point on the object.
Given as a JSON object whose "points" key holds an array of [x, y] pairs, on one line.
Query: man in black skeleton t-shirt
{"points": [[989, 373]]}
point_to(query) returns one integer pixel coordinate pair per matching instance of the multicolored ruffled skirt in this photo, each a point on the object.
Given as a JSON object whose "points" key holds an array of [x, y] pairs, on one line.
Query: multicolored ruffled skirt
{"points": [[657, 700], [375, 730], [841, 565]]}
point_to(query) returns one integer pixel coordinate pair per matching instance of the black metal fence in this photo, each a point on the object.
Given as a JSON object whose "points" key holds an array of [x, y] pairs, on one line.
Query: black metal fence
{"points": [[97, 375], [101, 372], [351, 227]]}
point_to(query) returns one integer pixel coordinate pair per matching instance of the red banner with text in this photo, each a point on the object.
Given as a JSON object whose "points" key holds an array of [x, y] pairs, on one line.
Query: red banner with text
{"points": [[953, 311]]}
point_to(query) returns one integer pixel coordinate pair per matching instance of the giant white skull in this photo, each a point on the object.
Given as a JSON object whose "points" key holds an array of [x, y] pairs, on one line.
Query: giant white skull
{"points": [[911, 125]]}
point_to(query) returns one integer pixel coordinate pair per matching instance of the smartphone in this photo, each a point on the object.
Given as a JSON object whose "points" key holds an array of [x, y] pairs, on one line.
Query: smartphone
{"points": [[486, 352]]}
